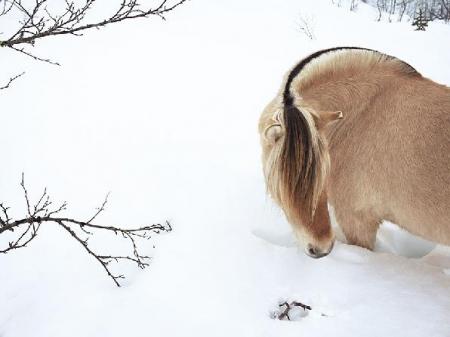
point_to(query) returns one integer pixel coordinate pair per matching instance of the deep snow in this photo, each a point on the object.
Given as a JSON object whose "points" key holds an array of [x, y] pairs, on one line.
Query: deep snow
{"points": [[164, 115]]}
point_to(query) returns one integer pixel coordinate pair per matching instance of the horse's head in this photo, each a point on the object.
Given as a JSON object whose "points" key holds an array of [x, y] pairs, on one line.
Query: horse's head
{"points": [[296, 165]]}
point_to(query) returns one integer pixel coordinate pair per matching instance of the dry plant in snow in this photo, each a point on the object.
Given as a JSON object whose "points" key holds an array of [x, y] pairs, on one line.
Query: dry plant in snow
{"points": [[43, 212], [306, 26], [38, 19]]}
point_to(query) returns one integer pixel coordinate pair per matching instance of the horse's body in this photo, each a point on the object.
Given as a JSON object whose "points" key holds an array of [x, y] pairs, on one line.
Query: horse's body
{"points": [[388, 158]]}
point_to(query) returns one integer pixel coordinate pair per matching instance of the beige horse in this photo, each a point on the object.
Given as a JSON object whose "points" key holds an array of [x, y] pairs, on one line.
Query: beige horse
{"points": [[367, 134]]}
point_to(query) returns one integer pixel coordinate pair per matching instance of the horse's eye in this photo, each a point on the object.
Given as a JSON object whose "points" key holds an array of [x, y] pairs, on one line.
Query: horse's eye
{"points": [[273, 133]]}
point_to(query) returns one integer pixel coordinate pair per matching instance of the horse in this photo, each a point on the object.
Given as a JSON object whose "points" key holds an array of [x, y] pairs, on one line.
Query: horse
{"points": [[365, 133]]}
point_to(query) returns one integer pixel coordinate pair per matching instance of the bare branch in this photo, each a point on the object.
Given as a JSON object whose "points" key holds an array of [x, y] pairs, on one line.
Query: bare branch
{"points": [[40, 23], [97, 257], [306, 25], [12, 79], [37, 58], [41, 212], [5, 7], [4, 221], [100, 209], [27, 200]]}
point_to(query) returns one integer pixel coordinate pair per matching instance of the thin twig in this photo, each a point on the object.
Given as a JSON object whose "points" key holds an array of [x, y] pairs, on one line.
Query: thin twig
{"points": [[12, 79], [37, 58]]}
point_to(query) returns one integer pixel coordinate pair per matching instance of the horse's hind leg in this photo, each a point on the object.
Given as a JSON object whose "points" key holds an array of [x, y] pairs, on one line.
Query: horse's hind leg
{"points": [[360, 228]]}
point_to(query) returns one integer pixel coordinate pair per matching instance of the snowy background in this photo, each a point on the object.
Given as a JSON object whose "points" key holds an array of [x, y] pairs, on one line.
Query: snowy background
{"points": [[164, 115]]}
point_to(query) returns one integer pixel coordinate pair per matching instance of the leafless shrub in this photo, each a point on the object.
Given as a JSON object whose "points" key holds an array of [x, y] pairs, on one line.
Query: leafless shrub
{"points": [[380, 8], [306, 25], [354, 5], [37, 19], [26, 229], [402, 6], [432, 9]]}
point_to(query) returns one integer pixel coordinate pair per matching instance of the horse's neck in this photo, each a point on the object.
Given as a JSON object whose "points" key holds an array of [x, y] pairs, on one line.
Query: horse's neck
{"points": [[352, 96]]}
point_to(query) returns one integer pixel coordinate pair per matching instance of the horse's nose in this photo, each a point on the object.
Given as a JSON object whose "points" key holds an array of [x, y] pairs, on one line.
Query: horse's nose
{"points": [[316, 252]]}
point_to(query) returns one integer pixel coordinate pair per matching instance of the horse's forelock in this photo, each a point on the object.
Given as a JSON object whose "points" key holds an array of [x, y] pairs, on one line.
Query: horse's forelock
{"points": [[297, 167]]}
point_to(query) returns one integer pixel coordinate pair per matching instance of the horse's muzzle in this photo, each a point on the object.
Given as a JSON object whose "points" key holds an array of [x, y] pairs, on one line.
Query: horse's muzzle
{"points": [[316, 252]]}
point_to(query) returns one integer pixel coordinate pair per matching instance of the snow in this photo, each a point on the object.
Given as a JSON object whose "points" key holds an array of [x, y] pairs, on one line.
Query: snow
{"points": [[164, 115]]}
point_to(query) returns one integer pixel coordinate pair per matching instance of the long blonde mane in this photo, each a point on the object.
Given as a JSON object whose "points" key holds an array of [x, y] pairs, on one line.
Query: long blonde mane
{"points": [[297, 166]]}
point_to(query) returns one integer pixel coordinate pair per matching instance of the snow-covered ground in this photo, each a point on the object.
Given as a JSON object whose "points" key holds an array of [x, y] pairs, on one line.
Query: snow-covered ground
{"points": [[164, 115]]}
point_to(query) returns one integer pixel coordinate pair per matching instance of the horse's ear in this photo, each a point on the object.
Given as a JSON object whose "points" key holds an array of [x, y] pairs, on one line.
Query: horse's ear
{"points": [[273, 132], [327, 117]]}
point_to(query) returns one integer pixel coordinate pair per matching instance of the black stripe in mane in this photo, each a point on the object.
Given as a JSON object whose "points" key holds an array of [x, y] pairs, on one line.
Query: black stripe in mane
{"points": [[288, 100]]}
